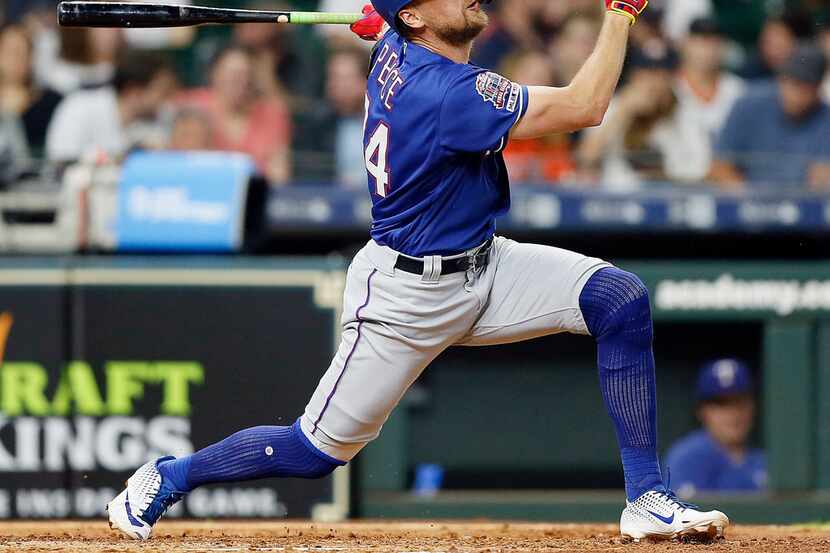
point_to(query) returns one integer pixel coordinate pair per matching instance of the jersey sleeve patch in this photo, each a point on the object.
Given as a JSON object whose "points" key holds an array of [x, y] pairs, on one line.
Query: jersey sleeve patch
{"points": [[499, 91]]}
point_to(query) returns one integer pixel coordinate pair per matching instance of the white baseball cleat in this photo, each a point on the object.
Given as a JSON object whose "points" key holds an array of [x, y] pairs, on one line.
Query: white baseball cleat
{"points": [[146, 498], [662, 516]]}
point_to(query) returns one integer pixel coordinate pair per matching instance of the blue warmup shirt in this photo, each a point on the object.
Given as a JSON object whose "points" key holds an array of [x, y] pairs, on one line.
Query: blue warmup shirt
{"points": [[699, 464], [433, 138]]}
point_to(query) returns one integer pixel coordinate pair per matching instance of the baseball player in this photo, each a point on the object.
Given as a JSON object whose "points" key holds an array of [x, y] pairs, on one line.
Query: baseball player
{"points": [[434, 274]]}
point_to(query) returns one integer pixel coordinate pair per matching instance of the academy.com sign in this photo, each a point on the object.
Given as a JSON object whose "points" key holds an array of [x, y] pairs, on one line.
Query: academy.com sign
{"points": [[728, 293]]}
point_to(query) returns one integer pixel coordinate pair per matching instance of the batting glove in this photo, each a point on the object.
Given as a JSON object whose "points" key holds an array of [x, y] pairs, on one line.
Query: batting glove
{"points": [[629, 8], [371, 27]]}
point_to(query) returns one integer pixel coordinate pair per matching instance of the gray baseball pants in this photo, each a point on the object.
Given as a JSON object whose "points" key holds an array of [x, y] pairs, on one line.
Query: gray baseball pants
{"points": [[396, 323]]}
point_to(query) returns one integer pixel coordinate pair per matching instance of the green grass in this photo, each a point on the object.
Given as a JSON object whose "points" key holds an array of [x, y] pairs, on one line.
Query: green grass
{"points": [[821, 526]]}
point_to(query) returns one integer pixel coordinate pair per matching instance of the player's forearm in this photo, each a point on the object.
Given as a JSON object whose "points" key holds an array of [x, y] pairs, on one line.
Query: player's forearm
{"points": [[584, 102], [596, 82]]}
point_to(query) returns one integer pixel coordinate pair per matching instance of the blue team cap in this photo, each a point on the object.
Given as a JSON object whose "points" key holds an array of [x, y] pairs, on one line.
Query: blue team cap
{"points": [[723, 377], [389, 9]]}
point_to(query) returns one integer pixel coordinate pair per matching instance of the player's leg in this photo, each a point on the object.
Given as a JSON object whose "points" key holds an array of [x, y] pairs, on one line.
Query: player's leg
{"points": [[538, 290], [532, 291], [391, 332]]}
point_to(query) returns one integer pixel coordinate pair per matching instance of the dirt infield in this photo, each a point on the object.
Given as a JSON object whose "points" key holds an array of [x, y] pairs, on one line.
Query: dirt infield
{"points": [[386, 537]]}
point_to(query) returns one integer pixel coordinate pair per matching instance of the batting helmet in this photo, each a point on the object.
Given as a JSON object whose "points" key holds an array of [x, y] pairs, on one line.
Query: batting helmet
{"points": [[389, 9]]}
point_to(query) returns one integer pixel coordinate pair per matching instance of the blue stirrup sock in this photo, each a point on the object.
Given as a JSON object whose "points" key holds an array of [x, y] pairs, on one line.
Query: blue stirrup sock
{"points": [[254, 453], [616, 310]]}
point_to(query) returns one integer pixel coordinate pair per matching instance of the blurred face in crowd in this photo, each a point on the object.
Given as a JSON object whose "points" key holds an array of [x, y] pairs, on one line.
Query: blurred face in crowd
{"points": [[191, 132], [15, 56], [728, 420], [145, 101], [655, 84], [824, 42], [105, 44], [160, 90], [798, 98], [703, 53], [346, 82], [776, 44], [456, 22], [574, 45], [232, 79], [533, 69], [256, 36]]}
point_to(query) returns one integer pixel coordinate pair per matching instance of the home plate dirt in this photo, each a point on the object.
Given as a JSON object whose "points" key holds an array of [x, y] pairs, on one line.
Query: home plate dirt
{"points": [[386, 537]]}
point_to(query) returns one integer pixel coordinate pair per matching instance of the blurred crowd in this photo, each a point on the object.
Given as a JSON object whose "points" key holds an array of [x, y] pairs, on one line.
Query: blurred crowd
{"points": [[723, 93]]}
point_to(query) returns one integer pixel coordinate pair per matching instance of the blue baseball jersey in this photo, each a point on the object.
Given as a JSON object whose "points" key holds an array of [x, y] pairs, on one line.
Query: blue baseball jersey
{"points": [[433, 138], [699, 464]]}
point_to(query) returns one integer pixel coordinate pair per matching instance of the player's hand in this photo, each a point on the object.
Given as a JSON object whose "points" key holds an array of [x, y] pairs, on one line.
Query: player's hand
{"points": [[632, 9], [371, 27]]}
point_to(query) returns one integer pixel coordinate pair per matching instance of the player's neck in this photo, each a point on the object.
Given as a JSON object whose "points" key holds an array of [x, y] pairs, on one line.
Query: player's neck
{"points": [[456, 53]]}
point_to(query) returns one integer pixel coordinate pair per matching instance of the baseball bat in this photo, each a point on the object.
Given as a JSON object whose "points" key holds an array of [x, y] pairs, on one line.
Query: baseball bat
{"points": [[139, 15]]}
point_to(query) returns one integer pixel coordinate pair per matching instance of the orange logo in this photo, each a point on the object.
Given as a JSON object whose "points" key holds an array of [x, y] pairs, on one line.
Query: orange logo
{"points": [[6, 322]]}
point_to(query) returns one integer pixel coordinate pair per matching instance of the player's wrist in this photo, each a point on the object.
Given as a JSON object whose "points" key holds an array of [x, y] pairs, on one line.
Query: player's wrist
{"points": [[630, 10], [617, 19], [623, 16]]}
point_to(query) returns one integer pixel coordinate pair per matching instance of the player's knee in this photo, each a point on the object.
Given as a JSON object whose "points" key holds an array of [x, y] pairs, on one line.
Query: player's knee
{"points": [[315, 463], [616, 302]]}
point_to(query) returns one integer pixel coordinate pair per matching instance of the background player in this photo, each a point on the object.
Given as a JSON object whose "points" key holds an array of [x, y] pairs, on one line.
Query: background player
{"points": [[434, 275], [719, 457]]}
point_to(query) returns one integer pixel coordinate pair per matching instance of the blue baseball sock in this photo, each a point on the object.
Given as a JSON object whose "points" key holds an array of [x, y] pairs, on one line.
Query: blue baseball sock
{"points": [[260, 452], [615, 306]]}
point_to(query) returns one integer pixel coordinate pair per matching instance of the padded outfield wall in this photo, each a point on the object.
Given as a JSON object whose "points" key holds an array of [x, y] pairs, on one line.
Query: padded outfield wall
{"points": [[112, 361]]}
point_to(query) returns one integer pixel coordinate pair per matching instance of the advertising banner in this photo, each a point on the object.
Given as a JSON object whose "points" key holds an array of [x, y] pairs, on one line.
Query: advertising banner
{"points": [[183, 201], [127, 365], [736, 290]]}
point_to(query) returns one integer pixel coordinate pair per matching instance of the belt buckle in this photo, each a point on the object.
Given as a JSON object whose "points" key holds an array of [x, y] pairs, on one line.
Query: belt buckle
{"points": [[473, 261]]}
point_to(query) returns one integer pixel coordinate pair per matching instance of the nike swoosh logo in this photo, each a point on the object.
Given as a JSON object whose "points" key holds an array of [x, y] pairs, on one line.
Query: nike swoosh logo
{"points": [[135, 522], [667, 520]]}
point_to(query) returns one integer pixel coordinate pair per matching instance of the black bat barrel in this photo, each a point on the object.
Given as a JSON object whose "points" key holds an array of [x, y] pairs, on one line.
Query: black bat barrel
{"points": [[133, 15]]}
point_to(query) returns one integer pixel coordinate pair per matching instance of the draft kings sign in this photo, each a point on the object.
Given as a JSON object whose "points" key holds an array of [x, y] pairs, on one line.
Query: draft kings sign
{"points": [[91, 391], [65, 422]]}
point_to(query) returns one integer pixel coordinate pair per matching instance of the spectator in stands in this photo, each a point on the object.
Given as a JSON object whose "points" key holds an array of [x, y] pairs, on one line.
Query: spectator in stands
{"points": [[706, 93], [779, 38], [110, 121], [573, 45], [779, 135], [330, 148], [645, 136], [191, 131], [346, 92], [679, 16], [243, 119], [511, 28], [546, 159], [718, 458], [162, 38], [824, 43], [23, 105], [647, 35], [80, 58], [281, 59], [15, 9]]}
